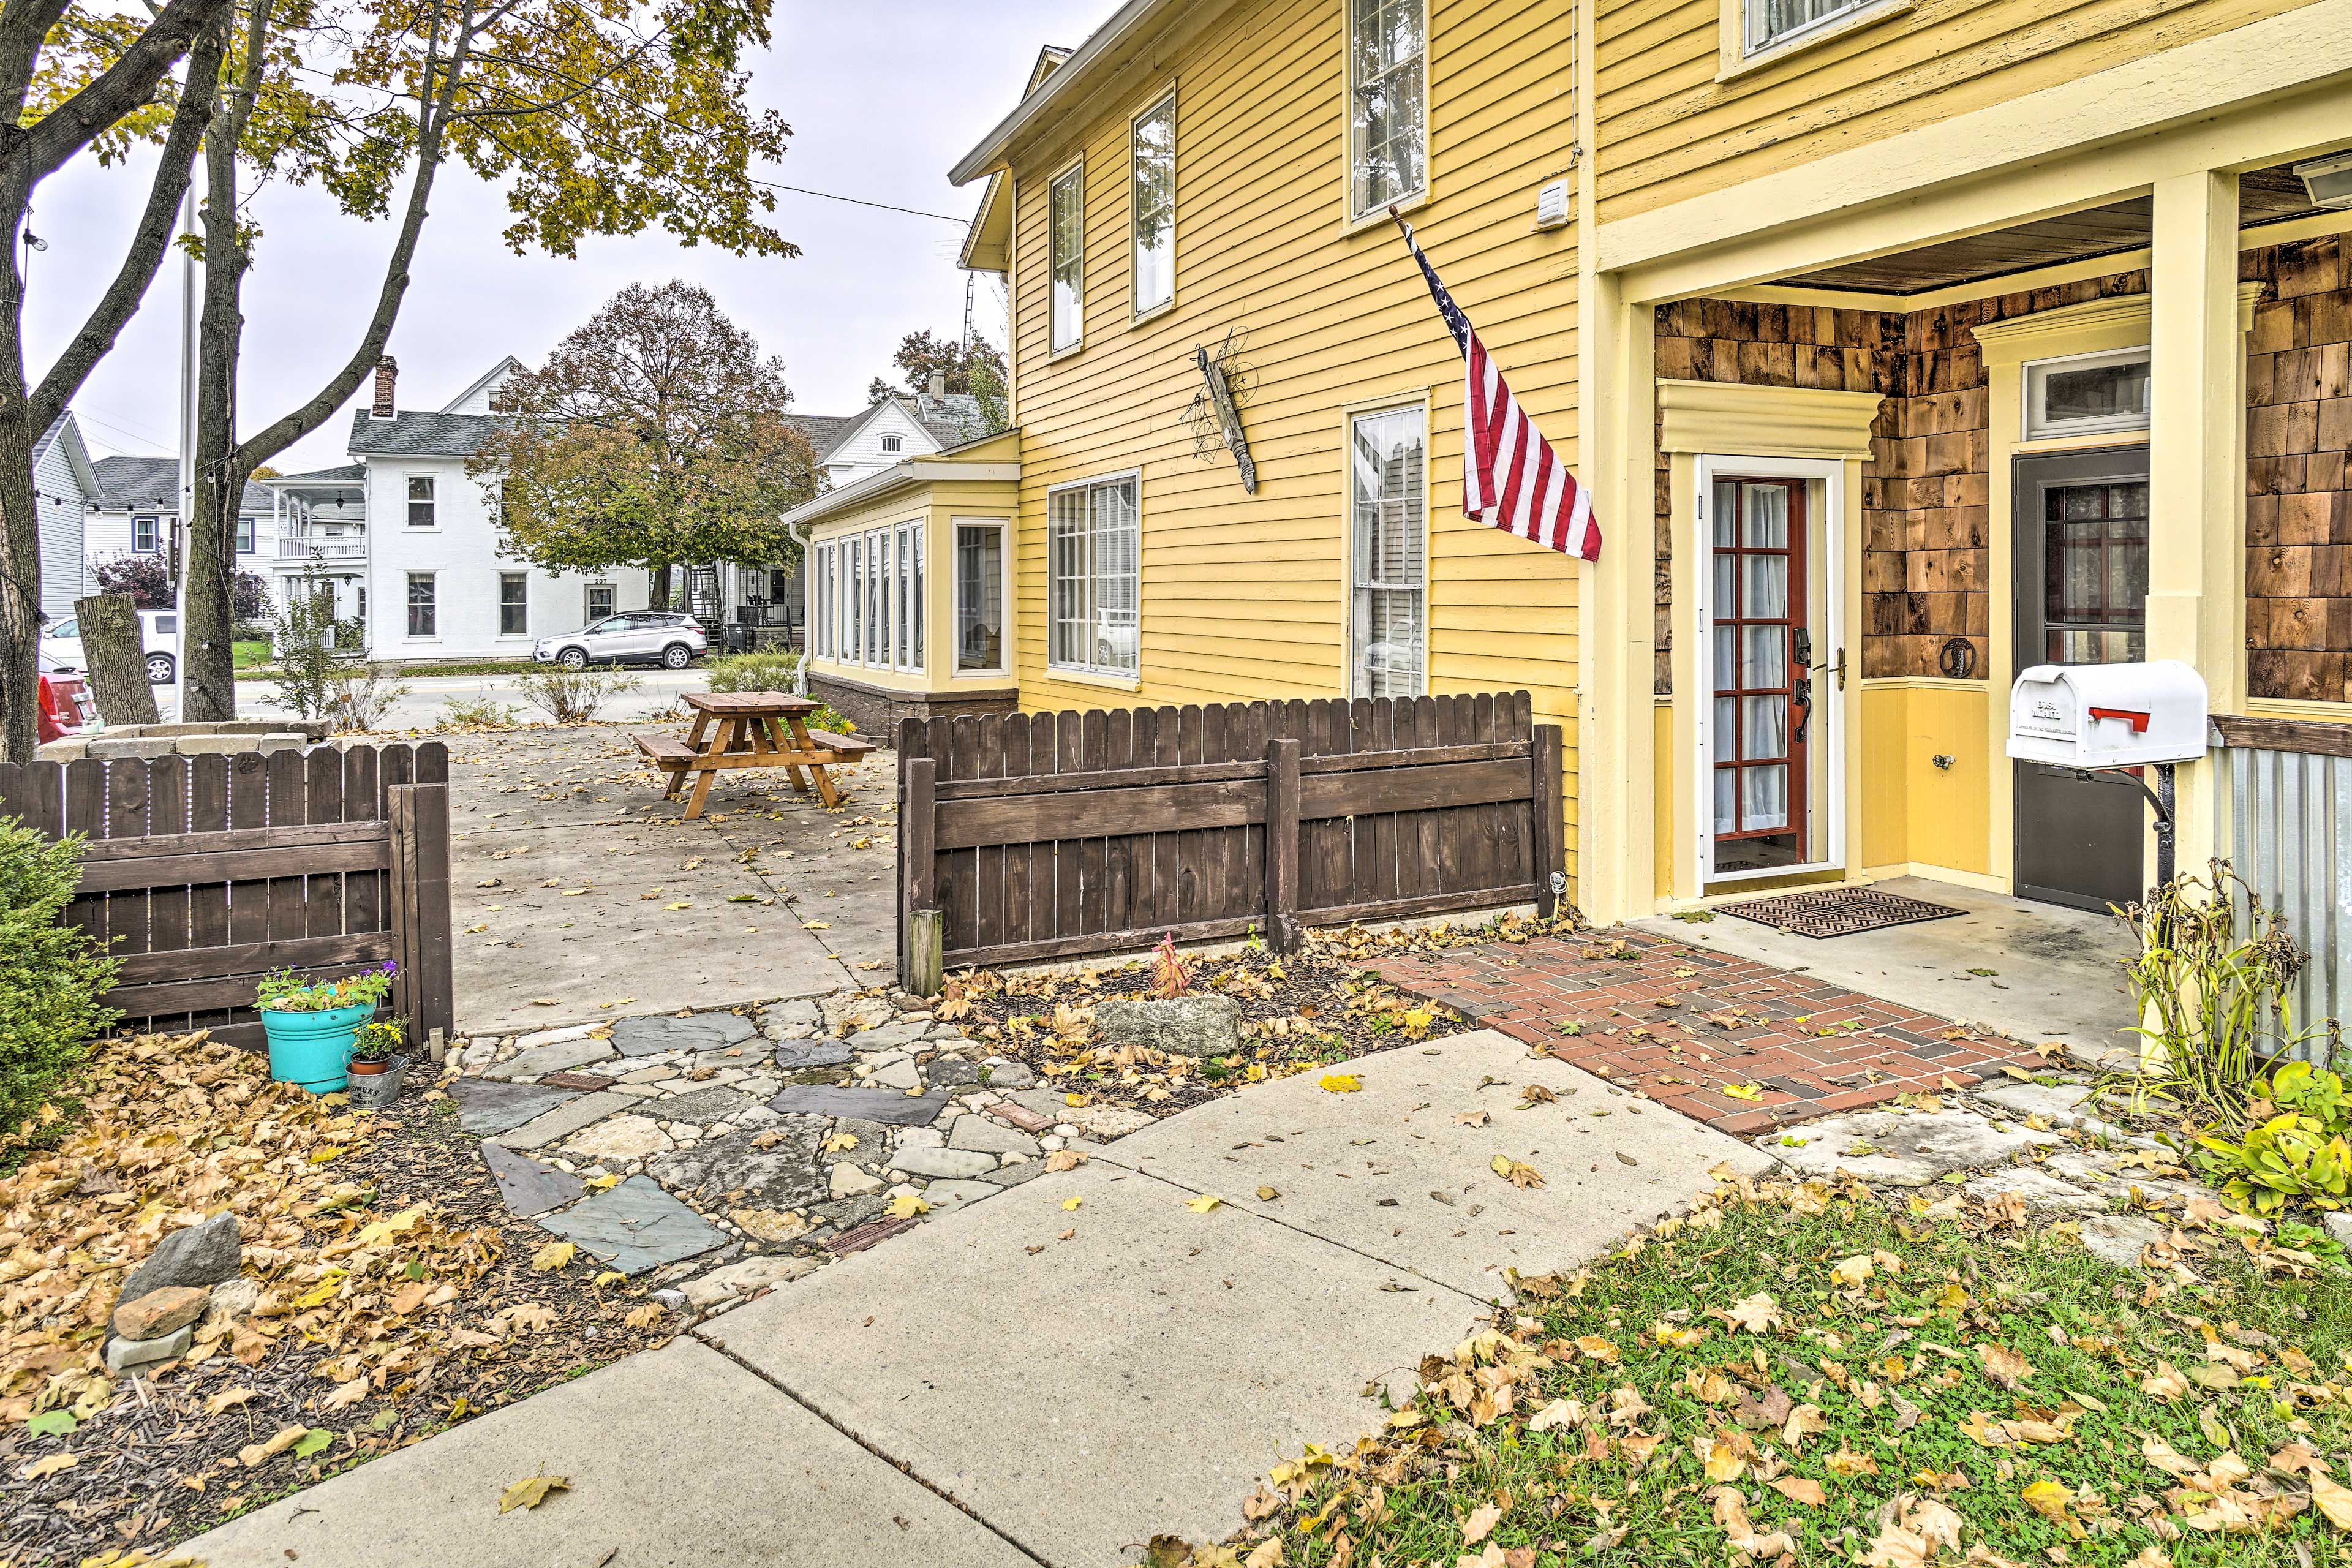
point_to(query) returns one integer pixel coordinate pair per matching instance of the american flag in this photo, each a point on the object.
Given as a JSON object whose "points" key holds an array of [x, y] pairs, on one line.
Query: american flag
{"points": [[1510, 477]]}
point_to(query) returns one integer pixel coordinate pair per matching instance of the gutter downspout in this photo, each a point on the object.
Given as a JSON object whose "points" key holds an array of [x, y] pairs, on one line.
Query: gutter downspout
{"points": [[808, 603]]}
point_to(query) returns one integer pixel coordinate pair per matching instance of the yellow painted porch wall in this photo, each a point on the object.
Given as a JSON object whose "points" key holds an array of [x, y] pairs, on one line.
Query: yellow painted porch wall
{"points": [[1915, 813], [1244, 597], [1669, 129]]}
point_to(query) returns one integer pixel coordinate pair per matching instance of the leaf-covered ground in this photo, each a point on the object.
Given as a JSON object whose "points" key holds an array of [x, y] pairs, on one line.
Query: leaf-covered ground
{"points": [[393, 1295], [1808, 1374]]}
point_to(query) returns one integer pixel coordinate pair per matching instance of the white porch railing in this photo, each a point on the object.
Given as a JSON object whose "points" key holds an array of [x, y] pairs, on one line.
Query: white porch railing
{"points": [[295, 549]]}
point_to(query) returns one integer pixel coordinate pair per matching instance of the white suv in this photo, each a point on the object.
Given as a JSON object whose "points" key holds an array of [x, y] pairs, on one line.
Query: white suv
{"points": [[158, 629], [667, 638]]}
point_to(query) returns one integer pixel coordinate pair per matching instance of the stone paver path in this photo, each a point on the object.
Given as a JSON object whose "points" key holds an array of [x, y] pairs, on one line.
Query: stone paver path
{"points": [[1686, 1025]]}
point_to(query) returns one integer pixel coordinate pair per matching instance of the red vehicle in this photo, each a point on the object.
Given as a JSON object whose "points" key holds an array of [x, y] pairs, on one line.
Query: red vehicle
{"points": [[65, 708]]}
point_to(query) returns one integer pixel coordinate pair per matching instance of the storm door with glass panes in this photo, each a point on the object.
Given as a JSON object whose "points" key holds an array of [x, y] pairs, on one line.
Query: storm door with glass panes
{"points": [[2081, 526], [1761, 697]]}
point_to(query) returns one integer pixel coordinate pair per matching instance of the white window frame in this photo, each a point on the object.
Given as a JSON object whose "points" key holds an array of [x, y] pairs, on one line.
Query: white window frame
{"points": [[2035, 377], [906, 583], [853, 599], [1737, 53], [409, 503], [1074, 174], [588, 600], [1140, 309], [248, 534], [524, 578], [1002, 529], [408, 606], [154, 536], [1350, 417], [1088, 669], [877, 598], [1359, 211], [818, 566]]}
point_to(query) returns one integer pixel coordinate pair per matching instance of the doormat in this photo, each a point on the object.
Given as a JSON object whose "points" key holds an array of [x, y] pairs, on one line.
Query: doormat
{"points": [[1838, 912]]}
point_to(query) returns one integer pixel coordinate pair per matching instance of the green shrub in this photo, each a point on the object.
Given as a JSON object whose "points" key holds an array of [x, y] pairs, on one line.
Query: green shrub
{"points": [[52, 979], [478, 713], [2299, 1153], [770, 671], [571, 696], [826, 719]]}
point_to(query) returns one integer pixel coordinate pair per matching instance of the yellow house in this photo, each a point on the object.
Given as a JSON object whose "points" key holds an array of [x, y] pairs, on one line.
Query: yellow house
{"points": [[1903, 343]]}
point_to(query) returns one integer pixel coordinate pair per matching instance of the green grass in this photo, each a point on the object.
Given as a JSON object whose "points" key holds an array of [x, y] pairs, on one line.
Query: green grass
{"points": [[250, 655], [1890, 1370]]}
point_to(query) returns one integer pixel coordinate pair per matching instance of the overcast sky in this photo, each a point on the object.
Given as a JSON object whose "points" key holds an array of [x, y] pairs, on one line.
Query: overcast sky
{"points": [[882, 97]]}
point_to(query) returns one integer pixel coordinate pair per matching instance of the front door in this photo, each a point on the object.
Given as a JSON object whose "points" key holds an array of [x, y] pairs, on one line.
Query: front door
{"points": [[2081, 527], [1761, 689]]}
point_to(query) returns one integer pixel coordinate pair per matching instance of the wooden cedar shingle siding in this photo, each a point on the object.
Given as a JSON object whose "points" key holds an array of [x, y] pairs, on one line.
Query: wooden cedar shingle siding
{"points": [[1669, 131], [1245, 596], [2298, 491]]}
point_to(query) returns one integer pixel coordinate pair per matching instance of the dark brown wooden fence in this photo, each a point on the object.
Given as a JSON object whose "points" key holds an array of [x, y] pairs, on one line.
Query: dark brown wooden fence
{"points": [[203, 873], [1056, 835]]}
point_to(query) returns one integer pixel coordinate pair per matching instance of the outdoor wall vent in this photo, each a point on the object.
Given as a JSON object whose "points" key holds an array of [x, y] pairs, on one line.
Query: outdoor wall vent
{"points": [[2328, 181], [1551, 206]]}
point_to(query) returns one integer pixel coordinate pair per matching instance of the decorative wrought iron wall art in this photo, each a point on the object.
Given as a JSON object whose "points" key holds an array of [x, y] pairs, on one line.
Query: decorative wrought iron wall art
{"points": [[1214, 413]]}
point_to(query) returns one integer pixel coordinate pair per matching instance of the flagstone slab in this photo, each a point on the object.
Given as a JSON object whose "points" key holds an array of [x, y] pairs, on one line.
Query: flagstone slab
{"points": [[698, 1032], [561, 1056], [793, 1054], [527, 1186], [891, 1107], [636, 1226], [487, 1106], [787, 1174], [702, 1107], [569, 1116]]}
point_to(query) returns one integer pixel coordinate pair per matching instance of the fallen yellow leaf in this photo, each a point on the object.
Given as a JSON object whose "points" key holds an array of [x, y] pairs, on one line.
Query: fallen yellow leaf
{"points": [[552, 1257], [907, 1206], [1340, 1083], [1072, 1202], [530, 1492], [1743, 1092], [604, 1184], [1204, 1204]]}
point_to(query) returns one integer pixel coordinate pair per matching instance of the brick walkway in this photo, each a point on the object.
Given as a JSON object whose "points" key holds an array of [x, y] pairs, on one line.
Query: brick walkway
{"points": [[1682, 1024]]}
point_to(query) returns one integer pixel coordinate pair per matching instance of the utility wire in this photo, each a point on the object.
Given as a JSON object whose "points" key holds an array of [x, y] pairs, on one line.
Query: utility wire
{"points": [[860, 201]]}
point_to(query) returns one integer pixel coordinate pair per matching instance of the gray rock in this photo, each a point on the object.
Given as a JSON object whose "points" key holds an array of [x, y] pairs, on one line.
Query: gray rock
{"points": [[636, 1226], [1905, 1149], [203, 1253], [486, 1106], [886, 1036], [946, 1197], [122, 1354], [701, 1108], [2339, 1225], [527, 1186], [731, 1172], [848, 1214], [873, 1138], [980, 1133], [1192, 1026], [1013, 1176], [2062, 1104], [2118, 1237], [951, 1163], [698, 1032], [561, 1057], [752, 1053], [792, 1056], [672, 1300], [233, 1299], [1010, 1075], [899, 1074], [743, 1279], [791, 1020], [576, 1112], [946, 1070], [885, 1105], [2041, 1190]]}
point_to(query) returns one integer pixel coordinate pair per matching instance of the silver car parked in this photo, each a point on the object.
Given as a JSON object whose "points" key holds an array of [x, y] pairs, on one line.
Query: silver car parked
{"points": [[667, 638]]}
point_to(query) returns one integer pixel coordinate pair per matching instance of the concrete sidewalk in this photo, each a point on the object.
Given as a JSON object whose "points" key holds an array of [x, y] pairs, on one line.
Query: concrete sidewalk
{"points": [[1060, 1373]]}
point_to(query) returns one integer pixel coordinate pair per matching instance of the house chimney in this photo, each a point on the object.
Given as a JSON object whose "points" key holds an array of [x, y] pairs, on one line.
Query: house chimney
{"points": [[938, 383], [387, 372]]}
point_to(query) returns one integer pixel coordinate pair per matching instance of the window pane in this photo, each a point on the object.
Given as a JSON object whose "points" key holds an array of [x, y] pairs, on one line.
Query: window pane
{"points": [[1767, 805], [979, 598], [1154, 196], [1726, 782], [514, 603], [1117, 617], [1764, 588], [1727, 673], [1763, 656], [421, 608], [1771, 21], [915, 616], [599, 600], [1764, 727], [420, 503], [1388, 130], [1070, 585], [1067, 219], [2095, 392], [1764, 516], [1389, 641]]}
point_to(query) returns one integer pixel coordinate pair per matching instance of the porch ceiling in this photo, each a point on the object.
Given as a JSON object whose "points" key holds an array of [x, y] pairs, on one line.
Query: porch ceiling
{"points": [[2265, 196]]}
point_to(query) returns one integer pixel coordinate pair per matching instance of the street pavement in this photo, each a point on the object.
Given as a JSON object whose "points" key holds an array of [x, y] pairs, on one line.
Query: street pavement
{"points": [[425, 706]]}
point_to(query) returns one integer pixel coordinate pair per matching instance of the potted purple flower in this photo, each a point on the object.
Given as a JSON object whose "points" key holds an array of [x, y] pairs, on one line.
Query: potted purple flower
{"points": [[310, 1022]]}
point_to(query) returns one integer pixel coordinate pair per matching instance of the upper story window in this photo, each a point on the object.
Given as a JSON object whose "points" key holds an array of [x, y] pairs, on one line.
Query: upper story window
{"points": [[1067, 218], [1154, 183], [244, 535], [142, 535], [892, 443], [1768, 23], [1388, 110], [420, 501], [2087, 394]]}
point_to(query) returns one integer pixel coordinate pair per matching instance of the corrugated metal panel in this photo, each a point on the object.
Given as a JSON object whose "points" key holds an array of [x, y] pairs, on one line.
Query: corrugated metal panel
{"points": [[2290, 839]]}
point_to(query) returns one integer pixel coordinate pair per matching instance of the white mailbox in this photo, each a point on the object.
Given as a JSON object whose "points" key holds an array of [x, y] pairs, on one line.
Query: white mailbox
{"points": [[2107, 715]]}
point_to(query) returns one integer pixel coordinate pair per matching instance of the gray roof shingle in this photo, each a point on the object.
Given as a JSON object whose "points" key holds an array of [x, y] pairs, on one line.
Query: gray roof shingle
{"points": [[413, 434], [825, 431], [125, 483]]}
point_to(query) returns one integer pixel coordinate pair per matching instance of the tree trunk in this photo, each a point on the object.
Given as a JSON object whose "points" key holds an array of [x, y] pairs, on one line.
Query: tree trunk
{"points": [[657, 587], [208, 631], [116, 654], [20, 576]]}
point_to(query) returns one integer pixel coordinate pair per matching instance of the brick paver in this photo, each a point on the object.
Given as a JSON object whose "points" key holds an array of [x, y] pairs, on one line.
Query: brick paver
{"points": [[1683, 1026]]}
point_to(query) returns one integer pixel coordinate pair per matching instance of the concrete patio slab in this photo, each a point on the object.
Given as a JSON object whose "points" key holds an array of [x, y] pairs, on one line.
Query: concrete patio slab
{"points": [[1366, 1168], [678, 1458], [1156, 1362]]}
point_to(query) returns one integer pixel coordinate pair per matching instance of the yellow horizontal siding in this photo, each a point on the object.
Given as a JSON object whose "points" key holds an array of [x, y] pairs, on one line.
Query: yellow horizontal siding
{"points": [[1669, 131]]}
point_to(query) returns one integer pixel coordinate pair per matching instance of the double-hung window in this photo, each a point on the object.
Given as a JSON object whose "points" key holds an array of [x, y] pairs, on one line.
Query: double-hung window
{"points": [[853, 598], [1388, 114], [1388, 528], [244, 535], [1153, 184], [423, 613], [1094, 572], [1066, 247], [600, 601], [979, 598], [421, 512], [514, 603], [907, 650], [142, 535], [820, 623]]}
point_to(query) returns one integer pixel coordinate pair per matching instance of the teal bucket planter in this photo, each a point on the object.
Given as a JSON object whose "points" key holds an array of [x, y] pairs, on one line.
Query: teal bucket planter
{"points": [[313, 1050]]}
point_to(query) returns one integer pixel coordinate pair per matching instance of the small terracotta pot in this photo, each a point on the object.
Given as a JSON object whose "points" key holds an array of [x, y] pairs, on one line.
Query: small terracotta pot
{"points": [[357, 1069]]}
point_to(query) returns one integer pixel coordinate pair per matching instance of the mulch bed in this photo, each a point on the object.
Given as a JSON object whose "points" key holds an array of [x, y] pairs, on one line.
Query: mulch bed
{"points": [[159, 1462]]}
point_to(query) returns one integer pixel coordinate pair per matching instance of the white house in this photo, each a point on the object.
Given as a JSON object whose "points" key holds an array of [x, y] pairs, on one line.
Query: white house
{"points": [[136, 502], [63, 482], [409, 542], [851, 446]]}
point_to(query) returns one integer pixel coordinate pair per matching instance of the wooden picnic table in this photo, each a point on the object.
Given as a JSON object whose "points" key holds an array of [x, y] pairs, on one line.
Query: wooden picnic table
{"points": [[750, 730]]}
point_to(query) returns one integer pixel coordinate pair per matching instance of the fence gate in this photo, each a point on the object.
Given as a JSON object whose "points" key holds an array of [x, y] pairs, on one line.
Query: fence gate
{"points": [[203, 873], [1056, 835]]}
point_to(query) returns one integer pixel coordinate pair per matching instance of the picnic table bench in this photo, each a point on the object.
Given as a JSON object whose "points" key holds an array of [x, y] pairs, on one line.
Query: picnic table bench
{"points": [[750, 729]]}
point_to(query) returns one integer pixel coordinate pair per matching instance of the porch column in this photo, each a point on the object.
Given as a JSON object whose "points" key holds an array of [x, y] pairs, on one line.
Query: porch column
{"points": [[2196, 484]]}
